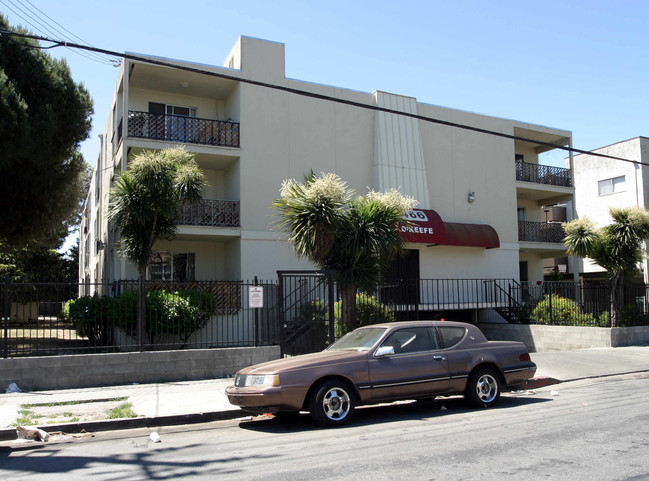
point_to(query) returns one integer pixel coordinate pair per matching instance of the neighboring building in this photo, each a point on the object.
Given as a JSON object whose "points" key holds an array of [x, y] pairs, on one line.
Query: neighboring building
{"points": [[601, 183], [481, 195]]}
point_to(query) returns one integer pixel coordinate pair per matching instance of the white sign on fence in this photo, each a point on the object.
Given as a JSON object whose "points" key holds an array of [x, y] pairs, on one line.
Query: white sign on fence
{"points": [[255, 297]]}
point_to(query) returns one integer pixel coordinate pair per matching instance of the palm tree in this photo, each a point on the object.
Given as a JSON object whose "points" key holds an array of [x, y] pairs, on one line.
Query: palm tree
{"points": [[334, 229], [617, 247], [146, 202]]}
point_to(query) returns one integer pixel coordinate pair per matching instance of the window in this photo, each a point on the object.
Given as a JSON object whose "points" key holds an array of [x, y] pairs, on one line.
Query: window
{"points": [[184, 111], [521, 212], [451, 335], [611, 186], [168, 266], [415, 339]]}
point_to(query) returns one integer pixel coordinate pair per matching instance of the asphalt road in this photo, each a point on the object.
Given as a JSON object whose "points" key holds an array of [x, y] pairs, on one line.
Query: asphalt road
{"points": [[585, 430]]}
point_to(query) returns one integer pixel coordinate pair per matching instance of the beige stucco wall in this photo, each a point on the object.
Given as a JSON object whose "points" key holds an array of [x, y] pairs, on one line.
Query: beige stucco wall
{"points": [[139, 101], [286, 136]]}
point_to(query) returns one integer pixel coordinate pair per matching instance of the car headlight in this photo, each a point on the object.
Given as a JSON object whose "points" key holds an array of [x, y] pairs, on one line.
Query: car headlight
{"points": [[261, 380]]}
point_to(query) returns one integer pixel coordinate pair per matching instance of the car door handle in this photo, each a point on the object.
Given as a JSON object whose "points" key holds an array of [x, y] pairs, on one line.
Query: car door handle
{"points": [[439, 358]]}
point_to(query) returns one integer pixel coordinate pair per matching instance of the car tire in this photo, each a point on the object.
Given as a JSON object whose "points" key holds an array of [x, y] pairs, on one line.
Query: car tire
{"points": [[332, 403], [483, 388]]}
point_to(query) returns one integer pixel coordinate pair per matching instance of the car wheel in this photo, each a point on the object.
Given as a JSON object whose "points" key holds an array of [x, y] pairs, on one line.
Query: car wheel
{"points": [[483, 388], [332, 404]]}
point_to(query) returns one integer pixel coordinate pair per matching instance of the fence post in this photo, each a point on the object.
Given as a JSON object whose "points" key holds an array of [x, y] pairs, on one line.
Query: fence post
{"points": [[331, 301], [141, 312], [550, 306], [6, 314], [256, 318], [280, 305], [417, 297]]}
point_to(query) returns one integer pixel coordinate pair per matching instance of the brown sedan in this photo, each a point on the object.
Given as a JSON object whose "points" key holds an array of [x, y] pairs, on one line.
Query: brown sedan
{"points": [[384, 363]]}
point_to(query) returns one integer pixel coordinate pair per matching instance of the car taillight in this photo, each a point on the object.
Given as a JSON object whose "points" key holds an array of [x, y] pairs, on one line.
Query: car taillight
{"points": [[524, 357]]}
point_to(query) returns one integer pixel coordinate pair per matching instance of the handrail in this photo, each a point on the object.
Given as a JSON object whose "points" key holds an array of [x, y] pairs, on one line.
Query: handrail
{"points": [[543, 174], [179, 128]]}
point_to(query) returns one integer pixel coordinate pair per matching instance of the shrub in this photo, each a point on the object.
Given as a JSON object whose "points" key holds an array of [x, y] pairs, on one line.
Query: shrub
{"points": [[605, 319], [632, 315], [178, 313], [89, 316], [559, 311], [123, 312], [368, 311]]}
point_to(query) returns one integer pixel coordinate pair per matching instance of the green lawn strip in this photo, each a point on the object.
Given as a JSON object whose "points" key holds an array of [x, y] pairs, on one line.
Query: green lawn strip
{"points": [[28, 417], [124, 410]]}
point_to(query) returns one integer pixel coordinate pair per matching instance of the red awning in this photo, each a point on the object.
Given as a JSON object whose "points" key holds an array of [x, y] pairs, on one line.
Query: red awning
{"points": [[429, 228], [471, 235]]}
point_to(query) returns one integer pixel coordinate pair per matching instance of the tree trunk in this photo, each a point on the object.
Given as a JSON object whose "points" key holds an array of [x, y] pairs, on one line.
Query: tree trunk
{"points": [[616, 297], [141, 307], [348, 311]]}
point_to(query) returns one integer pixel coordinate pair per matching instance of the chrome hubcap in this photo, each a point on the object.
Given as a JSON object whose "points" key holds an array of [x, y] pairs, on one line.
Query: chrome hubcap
{"points": [[487, 388], [336, 404]]}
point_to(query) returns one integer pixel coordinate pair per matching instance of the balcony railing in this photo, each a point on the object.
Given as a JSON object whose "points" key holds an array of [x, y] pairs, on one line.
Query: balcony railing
{"points": [[212, 213], [543, 174], [177, 128], [540, 232]]}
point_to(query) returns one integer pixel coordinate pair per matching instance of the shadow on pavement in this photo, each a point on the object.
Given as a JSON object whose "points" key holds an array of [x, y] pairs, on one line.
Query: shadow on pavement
{"points": [[370, 415]]}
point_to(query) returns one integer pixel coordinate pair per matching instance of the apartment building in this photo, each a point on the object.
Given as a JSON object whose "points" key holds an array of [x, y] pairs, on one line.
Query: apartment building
{"points": [[602, 183], [480, 196]]}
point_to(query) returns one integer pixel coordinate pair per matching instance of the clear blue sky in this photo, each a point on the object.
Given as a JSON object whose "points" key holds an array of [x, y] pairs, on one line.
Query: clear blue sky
{"points": [[576, 65]]}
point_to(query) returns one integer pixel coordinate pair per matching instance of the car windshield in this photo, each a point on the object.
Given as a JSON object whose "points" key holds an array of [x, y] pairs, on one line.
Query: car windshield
{"points": [[358, 340]]}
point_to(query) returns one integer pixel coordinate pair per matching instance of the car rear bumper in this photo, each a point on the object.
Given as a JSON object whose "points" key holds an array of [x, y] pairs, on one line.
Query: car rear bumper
{"points": [[519, 374]]}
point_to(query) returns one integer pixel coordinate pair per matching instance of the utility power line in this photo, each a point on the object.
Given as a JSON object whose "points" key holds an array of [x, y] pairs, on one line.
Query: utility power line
{"points": [[39, 21], [304, 93]]}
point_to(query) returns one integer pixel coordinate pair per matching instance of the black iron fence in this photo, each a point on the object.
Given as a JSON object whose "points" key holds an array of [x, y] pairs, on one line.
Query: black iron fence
{"points": [[581, 304], [300, 311], [417, 298], [51, 319]]}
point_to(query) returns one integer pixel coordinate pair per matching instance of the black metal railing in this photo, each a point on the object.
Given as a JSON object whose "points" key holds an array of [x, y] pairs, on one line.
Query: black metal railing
{"points": [[543, 174], [540, 232], [58, 319], [420, 298], [178, 128], [213, 213], [583, 304]]}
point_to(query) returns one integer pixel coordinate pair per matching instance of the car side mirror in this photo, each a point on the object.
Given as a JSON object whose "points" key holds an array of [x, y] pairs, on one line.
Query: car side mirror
{"points": [[383, 351]]}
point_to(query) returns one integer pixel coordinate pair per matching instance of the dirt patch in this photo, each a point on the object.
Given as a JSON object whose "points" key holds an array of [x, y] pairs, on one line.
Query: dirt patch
{"points": [[74, 411]]}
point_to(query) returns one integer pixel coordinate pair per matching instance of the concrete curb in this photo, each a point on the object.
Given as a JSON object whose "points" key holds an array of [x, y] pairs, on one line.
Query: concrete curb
{"points": [[9, 434], [539, 382]]}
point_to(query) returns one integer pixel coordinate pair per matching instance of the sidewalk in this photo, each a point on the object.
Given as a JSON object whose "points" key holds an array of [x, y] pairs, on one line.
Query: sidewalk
{"points": [[201, 401]]}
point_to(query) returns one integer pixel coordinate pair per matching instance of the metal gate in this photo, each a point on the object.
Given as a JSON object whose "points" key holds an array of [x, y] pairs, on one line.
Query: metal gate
{"points": [[306, 311]]}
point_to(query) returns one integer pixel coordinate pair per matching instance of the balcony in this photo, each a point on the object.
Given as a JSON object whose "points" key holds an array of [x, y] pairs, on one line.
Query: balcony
{"points": [[541, 232], [211, 213], [543, 174], [177, 128]]}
